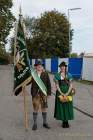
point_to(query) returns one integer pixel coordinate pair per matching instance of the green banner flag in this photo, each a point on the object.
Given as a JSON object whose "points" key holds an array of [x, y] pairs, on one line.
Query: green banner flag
{"points": [[22, 73]]}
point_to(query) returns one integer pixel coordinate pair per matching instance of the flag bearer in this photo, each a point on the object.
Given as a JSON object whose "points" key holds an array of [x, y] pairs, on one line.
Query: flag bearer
{"points": [[39, 100]]}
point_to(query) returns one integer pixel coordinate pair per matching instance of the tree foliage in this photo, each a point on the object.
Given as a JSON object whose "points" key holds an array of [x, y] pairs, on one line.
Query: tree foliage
{"points": [[6, 19], [48, 35], [74, 55], [4, 58], [6, 23]]}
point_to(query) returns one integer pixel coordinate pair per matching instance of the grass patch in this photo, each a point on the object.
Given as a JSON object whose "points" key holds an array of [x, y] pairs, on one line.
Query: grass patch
{"points": [[85, 82]]}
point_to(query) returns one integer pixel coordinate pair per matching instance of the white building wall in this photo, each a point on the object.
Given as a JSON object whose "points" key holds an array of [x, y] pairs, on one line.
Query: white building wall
{"points": [[87, 72], [48, 64]]}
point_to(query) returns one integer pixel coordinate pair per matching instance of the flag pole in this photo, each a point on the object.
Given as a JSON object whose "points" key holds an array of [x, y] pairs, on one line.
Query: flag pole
{"points": [[25, 109], [21, 68], [26, 122], [24, 90], [15, 43]]}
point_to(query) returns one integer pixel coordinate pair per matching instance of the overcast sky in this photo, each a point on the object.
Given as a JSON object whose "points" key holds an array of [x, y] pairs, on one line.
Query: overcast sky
{"points": [[81, 20]]}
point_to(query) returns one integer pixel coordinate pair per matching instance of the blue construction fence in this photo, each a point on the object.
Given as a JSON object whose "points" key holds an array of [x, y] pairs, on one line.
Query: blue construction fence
{"points": [[52, 65]]}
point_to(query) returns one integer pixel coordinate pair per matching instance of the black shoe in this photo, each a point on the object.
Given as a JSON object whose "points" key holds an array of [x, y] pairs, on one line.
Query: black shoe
{"points": [[64, 124], [34, 127], [46, 126], [67, 124]]}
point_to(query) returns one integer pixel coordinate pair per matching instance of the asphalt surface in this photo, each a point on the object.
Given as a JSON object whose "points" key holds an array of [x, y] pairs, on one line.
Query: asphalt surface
{"points": [[12, 113]]}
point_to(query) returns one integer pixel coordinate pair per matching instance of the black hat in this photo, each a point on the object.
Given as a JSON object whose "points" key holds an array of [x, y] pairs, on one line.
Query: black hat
{"points": [[63, 64], [38, 63]]}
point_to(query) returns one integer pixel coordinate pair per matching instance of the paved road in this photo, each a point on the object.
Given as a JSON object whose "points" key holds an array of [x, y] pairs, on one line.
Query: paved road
{"points": [[12, 116]]}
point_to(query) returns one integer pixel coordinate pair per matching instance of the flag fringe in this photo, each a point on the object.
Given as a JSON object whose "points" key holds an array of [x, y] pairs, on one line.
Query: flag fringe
{"points": [[23, 83]]}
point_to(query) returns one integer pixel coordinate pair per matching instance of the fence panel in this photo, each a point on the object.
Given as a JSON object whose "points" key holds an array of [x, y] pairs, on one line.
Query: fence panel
{"points": [[75, 67], [54, 65]]}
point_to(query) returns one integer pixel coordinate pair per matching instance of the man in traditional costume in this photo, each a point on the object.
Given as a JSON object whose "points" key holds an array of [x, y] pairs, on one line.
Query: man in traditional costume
{"points": [[39, 100]]}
